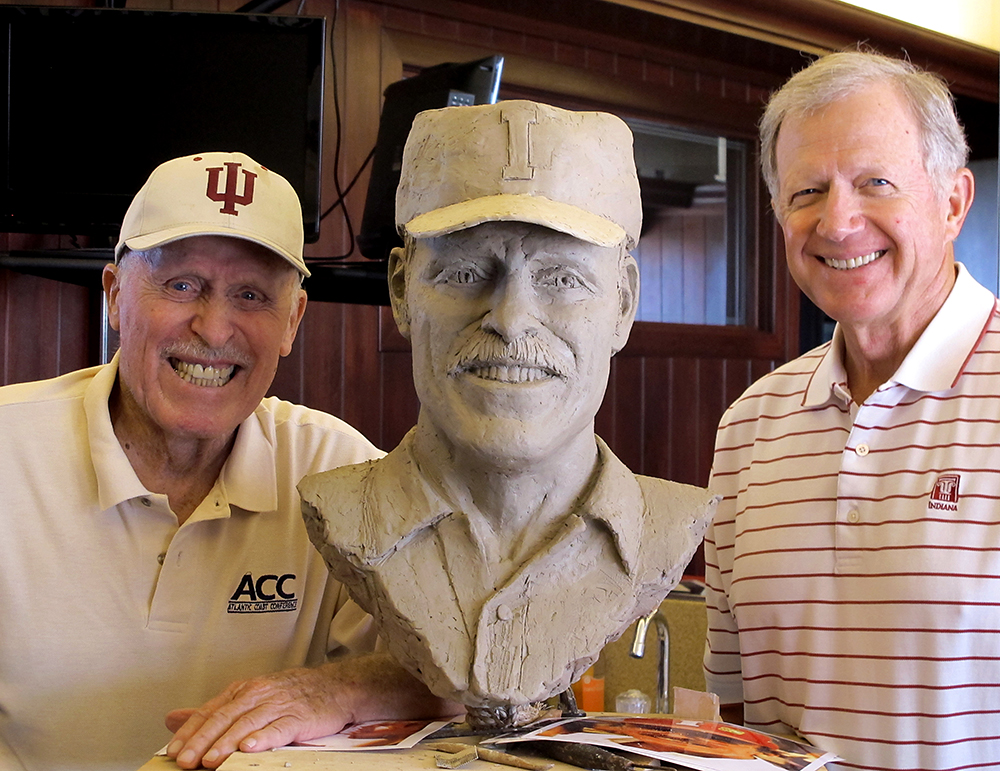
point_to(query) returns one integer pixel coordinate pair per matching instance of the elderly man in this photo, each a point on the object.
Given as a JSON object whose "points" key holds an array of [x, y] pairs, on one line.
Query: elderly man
{"points": [[153, 550], [854, 561], [502, 544]]}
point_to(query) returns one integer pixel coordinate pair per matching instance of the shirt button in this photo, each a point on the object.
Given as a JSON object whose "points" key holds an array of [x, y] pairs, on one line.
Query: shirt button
{"points": [[862, 450], [146, 502], [161, 557], [853, 516], [504, 613]]}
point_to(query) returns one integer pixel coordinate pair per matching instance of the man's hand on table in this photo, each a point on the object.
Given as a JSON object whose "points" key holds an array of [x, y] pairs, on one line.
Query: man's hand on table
{"points": [[296, 705]]}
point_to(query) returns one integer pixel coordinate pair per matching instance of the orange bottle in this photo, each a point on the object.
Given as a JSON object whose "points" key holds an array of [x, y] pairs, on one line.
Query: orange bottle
{"points": [[589, 692]]}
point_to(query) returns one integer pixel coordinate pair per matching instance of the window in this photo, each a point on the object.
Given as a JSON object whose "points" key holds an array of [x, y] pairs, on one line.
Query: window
{"points": [[692, 250]]}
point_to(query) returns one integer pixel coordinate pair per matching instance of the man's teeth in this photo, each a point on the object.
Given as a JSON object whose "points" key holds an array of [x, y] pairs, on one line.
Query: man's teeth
{"points": [[854, 262], [510, 374], [199, 375]]}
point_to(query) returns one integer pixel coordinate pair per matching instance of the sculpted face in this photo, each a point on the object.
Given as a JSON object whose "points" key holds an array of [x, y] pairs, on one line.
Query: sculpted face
{"points": [[512, 328], [867, 233], [202, 327]]}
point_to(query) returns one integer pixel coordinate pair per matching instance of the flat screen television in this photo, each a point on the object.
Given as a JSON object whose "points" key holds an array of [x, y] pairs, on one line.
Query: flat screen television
{"points": [[96, 98]]}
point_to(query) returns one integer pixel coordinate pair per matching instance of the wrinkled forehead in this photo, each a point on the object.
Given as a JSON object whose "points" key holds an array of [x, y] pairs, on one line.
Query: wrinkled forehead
{"points": [[223, 257], [224, 252]]}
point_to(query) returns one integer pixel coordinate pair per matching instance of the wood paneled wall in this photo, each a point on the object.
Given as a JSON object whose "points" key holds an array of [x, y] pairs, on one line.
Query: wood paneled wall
{"points": [[668, 387]]}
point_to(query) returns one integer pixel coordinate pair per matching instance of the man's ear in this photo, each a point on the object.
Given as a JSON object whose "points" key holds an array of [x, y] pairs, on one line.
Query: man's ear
{"points": [[397, 290], [111, 281], [963, 191], [299, 300], [628, 294]]}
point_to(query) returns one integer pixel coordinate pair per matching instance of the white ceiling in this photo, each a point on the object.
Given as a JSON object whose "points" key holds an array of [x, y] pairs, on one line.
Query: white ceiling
{"points": [[976, 21]]}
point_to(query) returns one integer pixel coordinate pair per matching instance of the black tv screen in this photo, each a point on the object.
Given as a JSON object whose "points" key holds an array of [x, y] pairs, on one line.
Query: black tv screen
{"points": [[96, 98]]}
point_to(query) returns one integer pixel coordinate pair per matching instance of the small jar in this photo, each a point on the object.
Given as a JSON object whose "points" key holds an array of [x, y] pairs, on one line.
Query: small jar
{"points": [[632, 701]]}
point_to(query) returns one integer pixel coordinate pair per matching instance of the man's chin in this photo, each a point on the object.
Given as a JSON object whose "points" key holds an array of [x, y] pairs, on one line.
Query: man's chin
{"points": [[508, 443], [201, 422]]}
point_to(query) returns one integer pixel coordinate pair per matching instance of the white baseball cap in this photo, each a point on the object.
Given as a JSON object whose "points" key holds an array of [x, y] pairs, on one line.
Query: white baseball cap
{"points": [[217, 194], [520, 161]]}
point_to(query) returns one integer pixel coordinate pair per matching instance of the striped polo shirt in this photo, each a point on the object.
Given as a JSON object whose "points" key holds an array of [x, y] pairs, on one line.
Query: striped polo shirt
{"points": [[854, 565]]}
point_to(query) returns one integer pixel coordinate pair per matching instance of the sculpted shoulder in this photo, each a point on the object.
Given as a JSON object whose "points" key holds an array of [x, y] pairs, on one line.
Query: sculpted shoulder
{"points": [[677, 517], [332, 502]]}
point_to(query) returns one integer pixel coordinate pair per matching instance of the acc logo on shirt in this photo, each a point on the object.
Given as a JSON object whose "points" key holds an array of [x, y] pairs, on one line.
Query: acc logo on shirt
{"points": [[267, 594]]}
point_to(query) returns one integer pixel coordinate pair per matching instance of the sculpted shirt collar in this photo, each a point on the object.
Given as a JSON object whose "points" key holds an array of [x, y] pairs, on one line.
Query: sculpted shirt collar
{"points": [[248, 479], [412, 504], [936, 359]]}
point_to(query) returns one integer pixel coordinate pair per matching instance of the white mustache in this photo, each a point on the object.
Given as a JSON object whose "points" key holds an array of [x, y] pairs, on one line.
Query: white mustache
{"points": [[194, 350], [489, 350]]}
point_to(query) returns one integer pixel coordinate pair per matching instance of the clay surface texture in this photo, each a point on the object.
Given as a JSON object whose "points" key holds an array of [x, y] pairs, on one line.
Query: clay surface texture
{"points": [[502, 544]]}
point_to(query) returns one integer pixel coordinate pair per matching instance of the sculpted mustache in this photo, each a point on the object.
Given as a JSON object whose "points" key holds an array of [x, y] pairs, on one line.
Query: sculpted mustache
{"points": [[191, 350], [490, 350]]}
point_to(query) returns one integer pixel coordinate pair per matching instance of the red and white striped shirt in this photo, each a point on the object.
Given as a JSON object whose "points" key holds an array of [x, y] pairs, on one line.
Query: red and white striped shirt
{"points": [[854, 564]]}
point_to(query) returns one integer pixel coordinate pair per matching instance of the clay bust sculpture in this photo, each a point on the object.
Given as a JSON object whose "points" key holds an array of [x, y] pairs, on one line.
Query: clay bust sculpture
{"points": [[501, 545]]}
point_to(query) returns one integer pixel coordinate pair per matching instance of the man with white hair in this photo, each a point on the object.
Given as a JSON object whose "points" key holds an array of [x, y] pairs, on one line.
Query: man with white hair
{"points": [[854, 562], [153, 556]]}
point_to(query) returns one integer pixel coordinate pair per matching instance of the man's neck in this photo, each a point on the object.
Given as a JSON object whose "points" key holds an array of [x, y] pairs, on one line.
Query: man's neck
{"points": [[874, 351], [515, 506], [184, 469]]}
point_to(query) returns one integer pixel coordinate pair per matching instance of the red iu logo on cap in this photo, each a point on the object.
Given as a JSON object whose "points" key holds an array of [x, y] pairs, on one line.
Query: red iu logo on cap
{"points": [[945, 493], [229, 196]]}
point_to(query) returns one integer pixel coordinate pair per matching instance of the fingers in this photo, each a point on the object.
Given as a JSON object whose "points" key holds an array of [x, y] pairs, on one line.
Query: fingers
{"points": [[199, 740], [262, 728], [176, 718], [255, 715]]}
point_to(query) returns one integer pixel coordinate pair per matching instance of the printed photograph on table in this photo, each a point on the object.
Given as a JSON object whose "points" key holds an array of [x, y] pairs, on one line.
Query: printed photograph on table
{"points": [[375, 735], [701, 745]]}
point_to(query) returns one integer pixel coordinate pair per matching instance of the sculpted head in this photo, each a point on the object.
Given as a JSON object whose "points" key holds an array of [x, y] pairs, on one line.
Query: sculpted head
{"points": [[515, 286], [205, 292]]}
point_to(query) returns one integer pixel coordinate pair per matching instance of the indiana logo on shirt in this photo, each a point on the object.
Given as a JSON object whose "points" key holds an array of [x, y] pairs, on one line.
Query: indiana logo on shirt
{"points": [[268, 593], [944, 496]]}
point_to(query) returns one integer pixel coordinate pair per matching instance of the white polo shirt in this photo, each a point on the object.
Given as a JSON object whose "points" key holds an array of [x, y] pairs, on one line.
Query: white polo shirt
{"points": [[110, 614], [854, 565]]}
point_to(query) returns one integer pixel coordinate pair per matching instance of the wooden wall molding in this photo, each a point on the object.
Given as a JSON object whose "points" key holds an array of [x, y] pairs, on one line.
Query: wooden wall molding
{"points": [[822, 26]]}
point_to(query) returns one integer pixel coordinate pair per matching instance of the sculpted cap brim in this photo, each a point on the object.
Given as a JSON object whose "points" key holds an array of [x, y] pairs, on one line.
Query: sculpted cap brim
{"points": [[538, 210]]}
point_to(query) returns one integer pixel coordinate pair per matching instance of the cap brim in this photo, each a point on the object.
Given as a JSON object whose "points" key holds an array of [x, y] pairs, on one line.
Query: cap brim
{"points": [[535, 209], [163, 237]]}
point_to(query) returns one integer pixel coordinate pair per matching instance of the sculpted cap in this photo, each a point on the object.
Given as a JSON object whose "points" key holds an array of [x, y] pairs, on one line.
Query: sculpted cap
{"points": [[216, 194], [520, 161]]}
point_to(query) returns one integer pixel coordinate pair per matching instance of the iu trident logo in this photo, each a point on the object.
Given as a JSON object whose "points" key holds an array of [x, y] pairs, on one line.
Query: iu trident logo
{"points": [[229, 196]]}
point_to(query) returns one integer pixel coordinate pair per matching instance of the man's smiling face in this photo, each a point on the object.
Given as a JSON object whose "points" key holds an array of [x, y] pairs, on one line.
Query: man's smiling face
{"points": [[512, 327], [203, 322], [867, 231]]}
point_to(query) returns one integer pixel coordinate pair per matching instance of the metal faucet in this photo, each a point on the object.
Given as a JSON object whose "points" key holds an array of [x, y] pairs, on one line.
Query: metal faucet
{"points": [[639, 649]]}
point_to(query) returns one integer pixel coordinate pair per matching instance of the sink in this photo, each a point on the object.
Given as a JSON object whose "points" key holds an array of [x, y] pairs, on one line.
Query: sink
{"points": [[687, 621]]}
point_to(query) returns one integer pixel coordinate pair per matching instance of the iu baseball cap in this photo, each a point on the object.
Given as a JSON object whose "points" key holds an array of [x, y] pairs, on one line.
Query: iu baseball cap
{"points": [[520, 161], [218, 194]]}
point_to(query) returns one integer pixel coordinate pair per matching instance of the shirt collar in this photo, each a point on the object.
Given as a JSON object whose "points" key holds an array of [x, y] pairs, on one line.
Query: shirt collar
{"points": [[116, 479], [936, 359], [249, 478], [412, 503], [941, 352]]}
